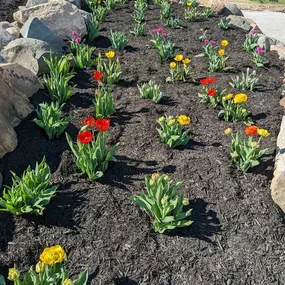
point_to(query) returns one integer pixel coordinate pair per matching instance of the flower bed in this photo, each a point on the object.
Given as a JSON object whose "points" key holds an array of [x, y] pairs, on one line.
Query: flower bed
{"points": [[236, 237]]}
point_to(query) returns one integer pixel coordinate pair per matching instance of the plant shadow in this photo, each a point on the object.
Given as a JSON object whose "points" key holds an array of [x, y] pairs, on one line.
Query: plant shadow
{"points": [[130, 171], [265, 167], [7, 228], [63, 205], [205, 223], [124, 281], [101, 42]]}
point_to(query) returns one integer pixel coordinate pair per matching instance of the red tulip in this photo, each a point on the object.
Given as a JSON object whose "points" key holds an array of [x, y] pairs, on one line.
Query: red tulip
{"points": [[97, 75], [102, 124], [90, 121], [85, 137], [212, 92], [209, 80]]}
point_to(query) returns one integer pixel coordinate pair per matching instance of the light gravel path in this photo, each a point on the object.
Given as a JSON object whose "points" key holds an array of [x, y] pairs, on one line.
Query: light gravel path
{"points": [[271, 23]]}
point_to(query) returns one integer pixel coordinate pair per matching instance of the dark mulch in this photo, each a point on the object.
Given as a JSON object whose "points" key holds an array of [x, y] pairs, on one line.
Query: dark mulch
{"points": [[238, 234], [8, 7]]}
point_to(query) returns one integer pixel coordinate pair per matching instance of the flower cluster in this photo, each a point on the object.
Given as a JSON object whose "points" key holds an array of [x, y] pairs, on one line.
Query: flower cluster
{"points": [[246, 153], [50, 267], [234, 108], [179, 68], [171, 130], [258, 56]]}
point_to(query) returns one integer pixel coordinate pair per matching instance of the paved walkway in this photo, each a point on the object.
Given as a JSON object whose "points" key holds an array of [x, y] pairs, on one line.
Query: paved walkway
{"points": [[270, 23]]}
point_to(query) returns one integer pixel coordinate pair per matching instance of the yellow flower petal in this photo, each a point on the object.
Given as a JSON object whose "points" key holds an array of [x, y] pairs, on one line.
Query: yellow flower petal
{"points": [[263, 132], [221, 52], [172, 64], [183, 120], [178, 57], [224, 43], [240, 98]]}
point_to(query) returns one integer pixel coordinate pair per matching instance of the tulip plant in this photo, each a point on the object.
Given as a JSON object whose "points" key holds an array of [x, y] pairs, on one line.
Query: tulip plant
{"points": [[51, 120], [104, 102], [174, 23], [246, 81], [234, 108], [171, 130], [162, 202], [99, 13], [57, 81], [92, 156], [109, 68], [179, 68], [49, 270], [151, 90], [164, 47], [118, 40], [138, 30], [224, 24], [217, 61], [30, 193], [209, 47], [165, 9], [209, 95], [191, 13], [251, 41], [246, 153], [258, 56]]}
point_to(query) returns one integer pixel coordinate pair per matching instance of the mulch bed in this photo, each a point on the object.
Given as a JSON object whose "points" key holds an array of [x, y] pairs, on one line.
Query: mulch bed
{"points": [[7, 7], [238, 234]]}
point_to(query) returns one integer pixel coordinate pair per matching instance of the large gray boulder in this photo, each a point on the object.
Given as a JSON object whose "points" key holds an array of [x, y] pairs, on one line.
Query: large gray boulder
{"points": [[60, 16], [29, 53], [36, 29], [5, 38], [240, 22], [17, 84], [231, 9], [31, 3]]}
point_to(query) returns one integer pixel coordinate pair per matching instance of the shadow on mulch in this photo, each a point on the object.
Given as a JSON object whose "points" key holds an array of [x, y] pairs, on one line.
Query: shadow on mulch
{"points": [[125, 281], [205, 223], [6, 230], [129, 170], [64, 205]]}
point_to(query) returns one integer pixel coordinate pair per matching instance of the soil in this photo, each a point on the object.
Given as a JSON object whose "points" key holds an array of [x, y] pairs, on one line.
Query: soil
{"points": [[238, 233], [8, 7]]}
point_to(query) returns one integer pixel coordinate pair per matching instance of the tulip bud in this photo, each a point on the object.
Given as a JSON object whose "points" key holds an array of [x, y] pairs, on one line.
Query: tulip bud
{"points": [[13, 274], [171, 122], [40, 267], [185, 202], [161, 119], [228, 131]]}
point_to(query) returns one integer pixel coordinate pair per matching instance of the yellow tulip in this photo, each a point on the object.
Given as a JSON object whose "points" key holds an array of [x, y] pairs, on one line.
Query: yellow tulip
{"points": [[224, 43], [51, 255], [263, 132], [230, 96], [178, 57], [183, 120], [110, 54], [171, 122], [228, 131], [67, 282], [172, 64], [240, 98], [185, 201], [186, 60], [221, 52], [189, 4]]}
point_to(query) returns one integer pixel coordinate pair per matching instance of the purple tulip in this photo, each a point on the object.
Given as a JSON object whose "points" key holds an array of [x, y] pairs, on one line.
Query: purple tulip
{"points": [[74, 33], [77, 40], [260, 50], [163, 35], [160, 30], [213, 43], [206, 42], [154, 31]]}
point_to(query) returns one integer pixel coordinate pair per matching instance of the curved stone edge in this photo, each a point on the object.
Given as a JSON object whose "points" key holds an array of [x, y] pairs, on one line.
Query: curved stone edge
{"points": [[278, 181]]}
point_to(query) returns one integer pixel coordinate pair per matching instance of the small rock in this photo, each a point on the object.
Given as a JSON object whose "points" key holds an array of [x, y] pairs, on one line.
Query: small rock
{"points": [[265, 41], [14, 31], [280, 50], [231, 9], [5, 38], [36, 29], [29, 53], [239, 22], [60, 16], [4, 25]]}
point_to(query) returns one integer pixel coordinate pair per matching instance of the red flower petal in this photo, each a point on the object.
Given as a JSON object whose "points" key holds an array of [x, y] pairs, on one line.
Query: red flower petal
{"points": [[102, 124], [85, 137], [90, 121], [208, 80], [212, 92], [97, 75], [251, 130]]}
